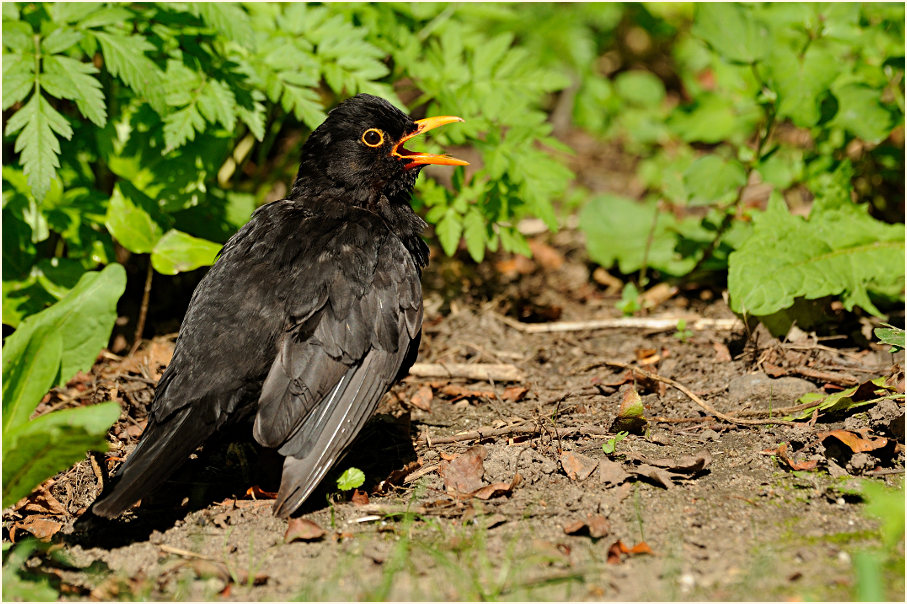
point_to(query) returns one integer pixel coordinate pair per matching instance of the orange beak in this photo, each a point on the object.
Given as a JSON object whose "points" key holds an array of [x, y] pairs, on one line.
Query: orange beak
{"points": [[421, 159]]}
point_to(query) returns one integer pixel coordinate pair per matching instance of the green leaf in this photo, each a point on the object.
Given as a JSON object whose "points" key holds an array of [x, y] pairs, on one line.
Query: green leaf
{"points": [[59, 40], [125, 58], [640, 87], [801, 81], [29, 375], [228, 18], [731, 31], [860, 112], [130, 224], [73, 80], [449, 229], [837, 252], [181, 126], [177, 252], [352, 478], [475, 231], [848, 399], [37, 144], [50, 443], [891, 335], [85, 316], [18, 78], [217, 103], [712, 180]]}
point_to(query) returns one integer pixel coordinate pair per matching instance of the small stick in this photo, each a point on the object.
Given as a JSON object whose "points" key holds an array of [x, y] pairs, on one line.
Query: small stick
{"points": [[657, 323], [501, 372], [184, 552], [514, 430], [143, 311], [841, 379], [692, 396]]}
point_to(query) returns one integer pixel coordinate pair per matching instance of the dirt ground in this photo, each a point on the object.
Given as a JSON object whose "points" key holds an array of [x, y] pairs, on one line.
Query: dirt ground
{"points": [[502, 488]]}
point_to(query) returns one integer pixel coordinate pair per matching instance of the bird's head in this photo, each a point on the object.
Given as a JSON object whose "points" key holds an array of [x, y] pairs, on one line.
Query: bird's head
{"points": [[359, 147]]}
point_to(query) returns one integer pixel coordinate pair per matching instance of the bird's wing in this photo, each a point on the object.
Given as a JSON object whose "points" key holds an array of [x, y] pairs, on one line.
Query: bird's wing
{"points": [[332, 368]]}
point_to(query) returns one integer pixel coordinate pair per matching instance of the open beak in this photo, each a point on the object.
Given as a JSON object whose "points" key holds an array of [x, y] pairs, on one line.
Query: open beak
{"points": [[421, 159]]}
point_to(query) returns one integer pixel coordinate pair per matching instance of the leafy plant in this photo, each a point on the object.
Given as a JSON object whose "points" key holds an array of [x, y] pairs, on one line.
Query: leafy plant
{"points": [[37, 357], [683, 333], [789, 98], [160, 127], [611, 444], [890, 335], [880, 567]]}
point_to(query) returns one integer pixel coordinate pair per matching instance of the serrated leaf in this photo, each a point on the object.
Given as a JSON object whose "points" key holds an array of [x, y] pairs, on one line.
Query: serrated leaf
{"points": [[181, 126], [449, 229], [217, 103], [18, 78], [352, 478], [125, 58], [475, 232], [838, 252], [254, 118], [39, 148], [130, 224], [77, 83], [85, 315], [228, 18], [59, 40], [177, 252]]}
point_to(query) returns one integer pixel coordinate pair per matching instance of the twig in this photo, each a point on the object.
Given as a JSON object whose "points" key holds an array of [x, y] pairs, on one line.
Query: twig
{"points": [[696, 399], [143, 311], [656, 323], [184, 552], [512, 430], [502, 372], [841, 379]]}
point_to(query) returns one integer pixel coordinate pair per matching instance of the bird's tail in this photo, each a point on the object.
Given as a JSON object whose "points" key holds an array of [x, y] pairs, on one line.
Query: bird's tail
{"points": [[162, 450]]}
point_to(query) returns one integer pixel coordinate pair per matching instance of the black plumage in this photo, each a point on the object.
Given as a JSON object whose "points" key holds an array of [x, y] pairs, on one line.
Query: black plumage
{"points": [[311, 311]]}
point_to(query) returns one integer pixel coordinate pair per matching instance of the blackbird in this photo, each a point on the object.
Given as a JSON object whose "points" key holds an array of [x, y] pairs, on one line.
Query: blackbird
{"points": [[311, 311]]}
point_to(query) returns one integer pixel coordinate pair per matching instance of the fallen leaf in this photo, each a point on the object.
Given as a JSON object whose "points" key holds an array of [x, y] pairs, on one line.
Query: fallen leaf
{"points": [[457, 392], [687, 464], [595, 525], [422, 399], [577, 466], [641, 548], [548, 258], [41, 501], [360, 497], [497, 489], [781, 454], [611, 472], [41, 527], [464, 473], [256, 492], [630, 415], [642, 354], [398, 476], [854, 442], [618, 549], [722, 353], [514, 393], [657, 475], [302, 529]]}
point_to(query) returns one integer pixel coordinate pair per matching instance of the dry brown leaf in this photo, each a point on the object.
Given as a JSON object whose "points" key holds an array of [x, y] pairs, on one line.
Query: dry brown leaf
{"points": [[422, 399], [722, 353], [618, 549], [781, 454], [595, 525], [457, 392], [499, 488], [855, 442], [610, 472], [548, 258], [577, 466], [302, 529], [256, 492], [656, 475], [41, 501], [360, 497], [41, 527], [687, 464], [514, 393], [464, 473]]}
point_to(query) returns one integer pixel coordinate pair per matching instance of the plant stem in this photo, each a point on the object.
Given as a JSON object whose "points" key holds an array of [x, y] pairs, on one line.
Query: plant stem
{"points": [[143, 311]]}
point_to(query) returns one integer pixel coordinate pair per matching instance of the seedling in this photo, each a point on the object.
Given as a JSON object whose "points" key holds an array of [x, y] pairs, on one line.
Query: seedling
{"points": [[682, 333], [629, 300], [609, 446]]}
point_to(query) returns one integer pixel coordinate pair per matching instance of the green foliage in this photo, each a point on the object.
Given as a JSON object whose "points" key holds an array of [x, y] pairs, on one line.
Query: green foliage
{"points": [[609, 445], [803, 98], [158, 126], [877, 569], [18, 583], [37, 357], [352, 478], [891, 335]]}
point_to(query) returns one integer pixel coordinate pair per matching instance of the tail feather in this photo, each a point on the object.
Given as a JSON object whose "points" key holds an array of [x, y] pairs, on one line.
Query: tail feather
{"points": [[163, 449]]}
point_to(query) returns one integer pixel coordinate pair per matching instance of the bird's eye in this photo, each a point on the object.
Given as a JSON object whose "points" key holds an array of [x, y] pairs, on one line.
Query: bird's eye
{"points": [[373, 137]]}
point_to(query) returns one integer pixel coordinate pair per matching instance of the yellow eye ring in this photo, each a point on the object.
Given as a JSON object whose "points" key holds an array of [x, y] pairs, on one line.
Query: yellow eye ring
{"points": [[373, 137]]}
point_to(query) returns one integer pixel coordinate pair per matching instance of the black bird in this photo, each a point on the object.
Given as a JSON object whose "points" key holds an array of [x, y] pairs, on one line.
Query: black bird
{"points": [[311, 311]]}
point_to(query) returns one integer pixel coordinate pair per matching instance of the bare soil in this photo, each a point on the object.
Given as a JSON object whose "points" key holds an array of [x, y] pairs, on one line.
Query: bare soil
{"points": [[688, 507]]}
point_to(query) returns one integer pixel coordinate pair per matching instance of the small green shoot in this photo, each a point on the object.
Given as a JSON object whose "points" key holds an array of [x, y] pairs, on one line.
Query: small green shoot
{"points": [[609, 445], [683, 333], [352, 478], [629, 300]]}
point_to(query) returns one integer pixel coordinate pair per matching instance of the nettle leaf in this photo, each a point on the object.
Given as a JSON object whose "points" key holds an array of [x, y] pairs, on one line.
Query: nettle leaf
{"points": [[131, 224], [712, 180], [732, 31], [838, 252], [37, 145], [85, 315], [73, 80], [177, 252]]}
